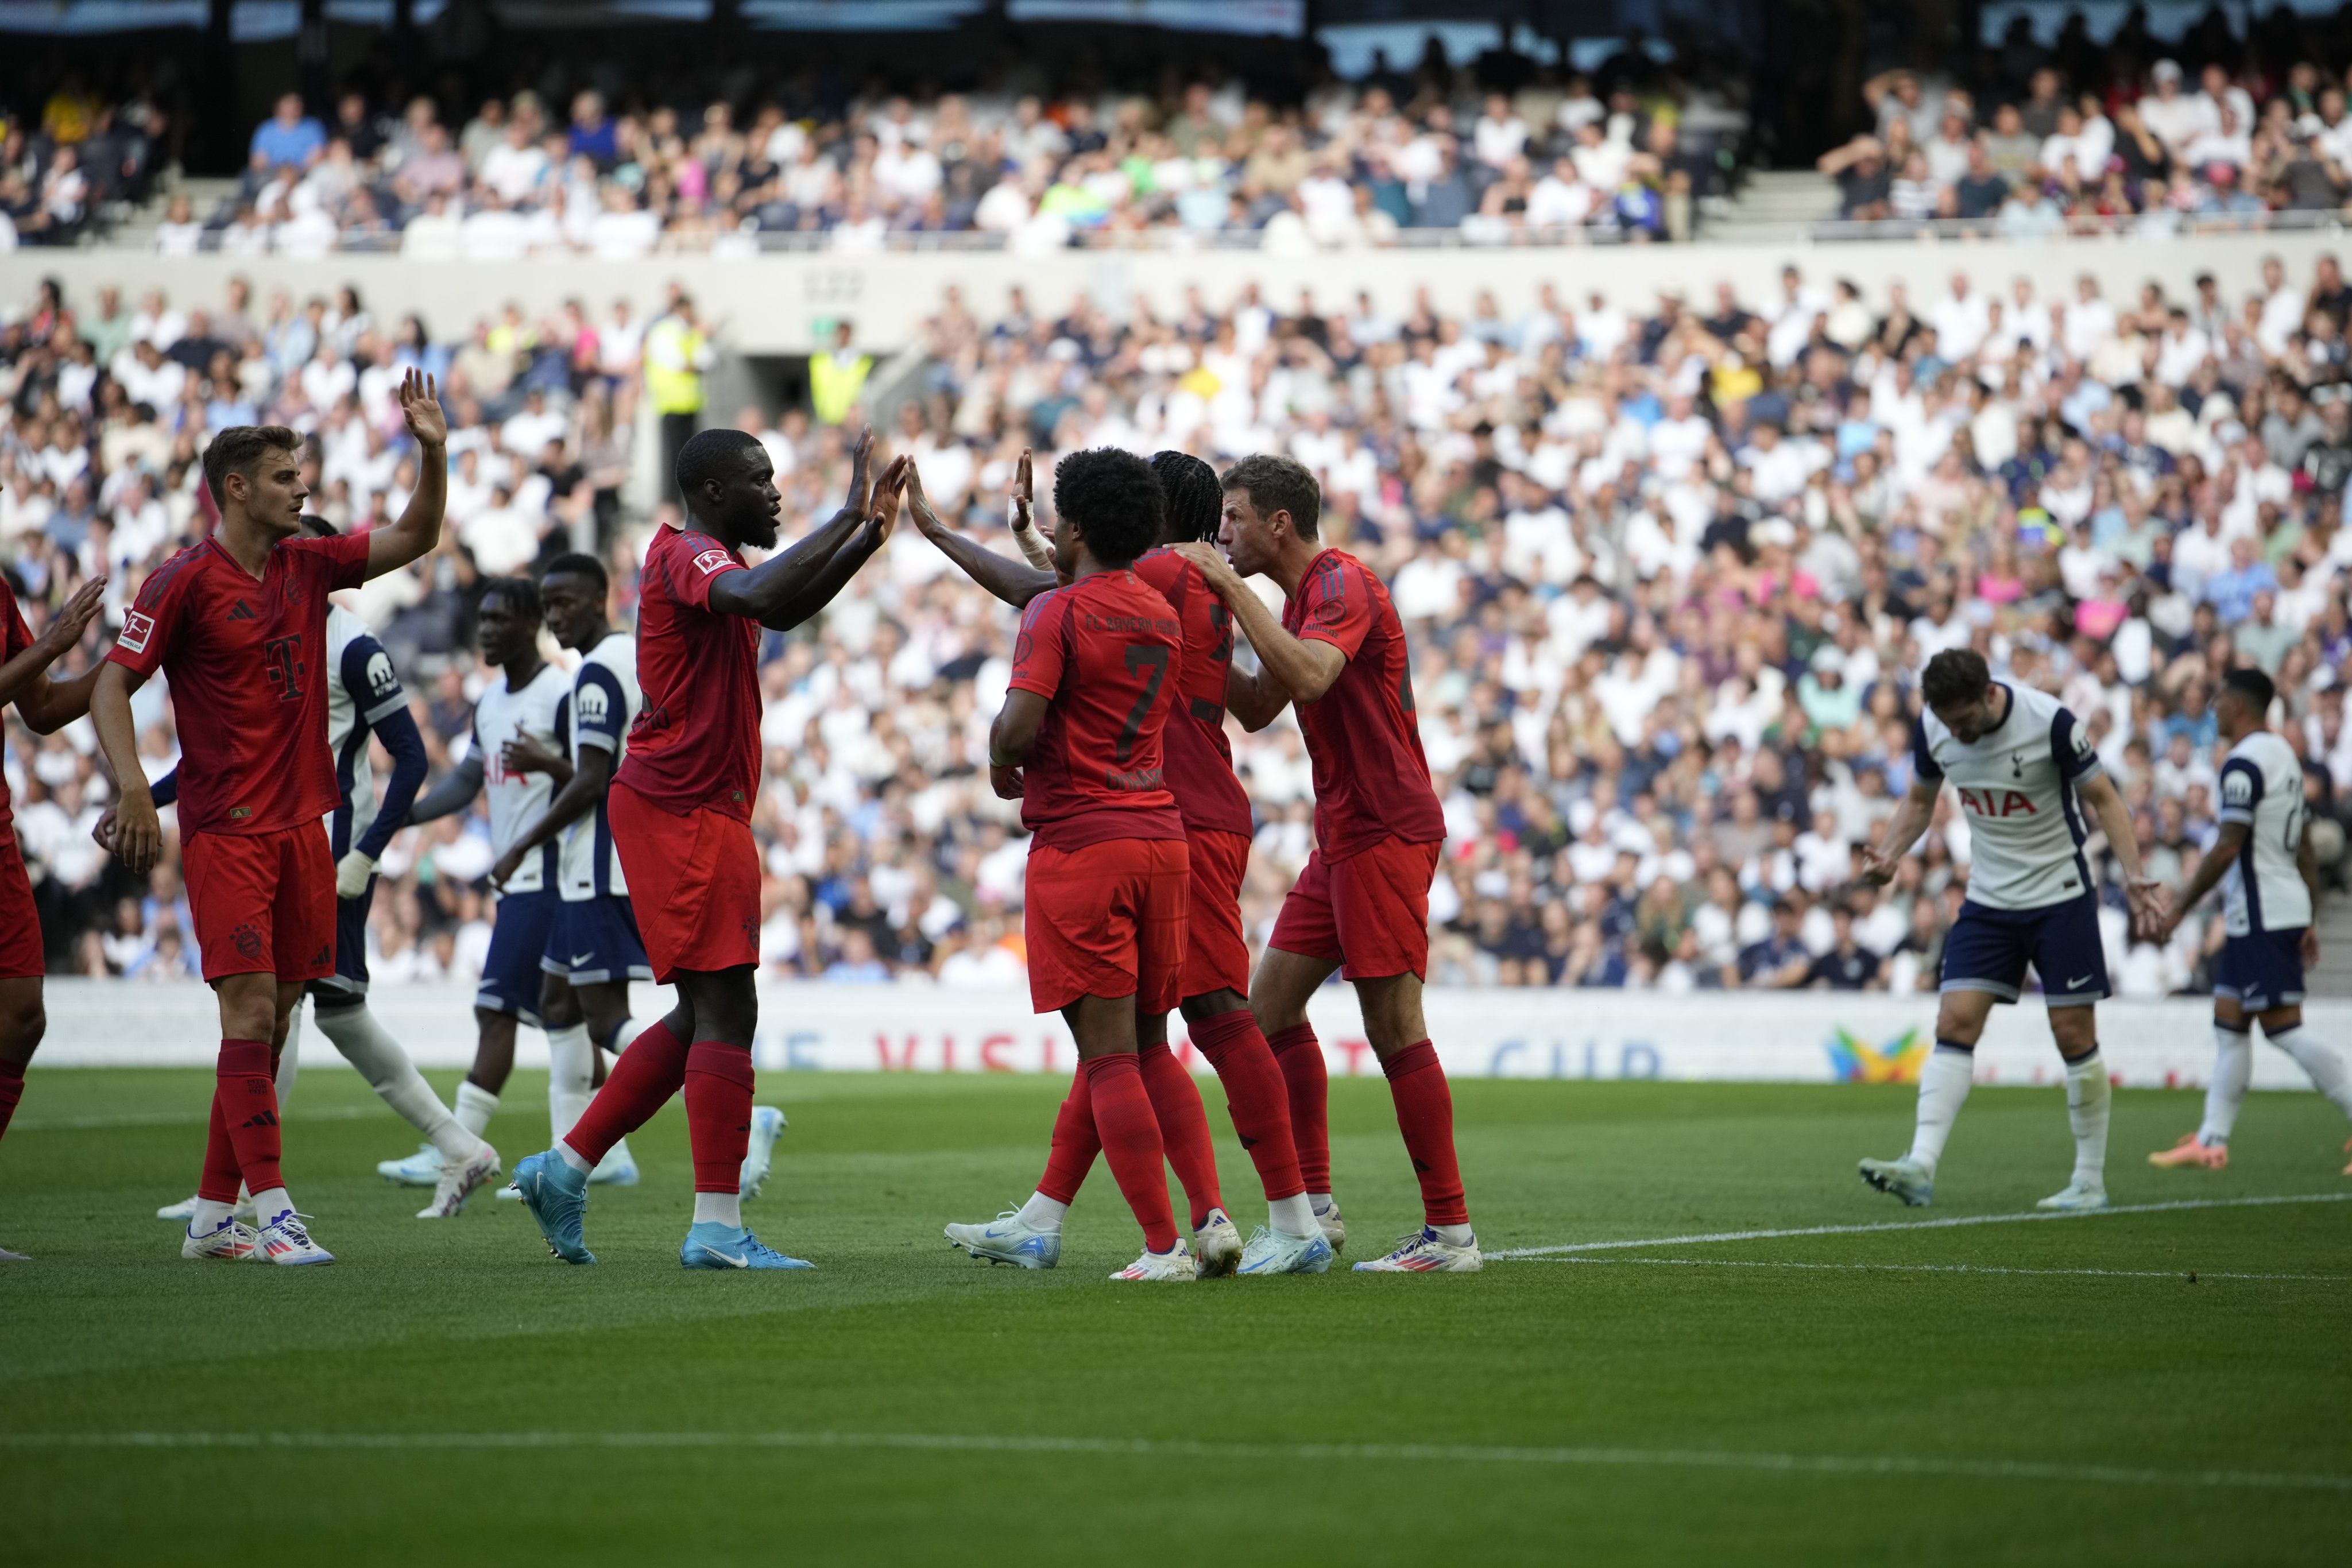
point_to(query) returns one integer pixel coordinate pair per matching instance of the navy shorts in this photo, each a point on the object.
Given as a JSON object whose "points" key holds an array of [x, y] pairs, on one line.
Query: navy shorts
{"points": [[519, 936], [2262, 971], [595, 942], [348, 983], [1989, 950]]}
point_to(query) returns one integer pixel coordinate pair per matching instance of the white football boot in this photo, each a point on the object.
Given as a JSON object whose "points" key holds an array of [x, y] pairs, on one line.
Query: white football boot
{"points": [[2078, 1197], [1217, 1246], [1176, 1263], [458, 1180], [1334, 1229], [228, 1241], [1009, 1239], [284, 1240], [1271, 1252], [1424, 1253]]}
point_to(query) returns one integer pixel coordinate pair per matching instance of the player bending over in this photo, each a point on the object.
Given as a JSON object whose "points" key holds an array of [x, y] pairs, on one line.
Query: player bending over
{"points": [[1361, 906], [363, 699], [524, 708], [2024, 770], [1215, 979], [593, 949], [2270, 886], [239, 625], [680, 806], [45, 706]]}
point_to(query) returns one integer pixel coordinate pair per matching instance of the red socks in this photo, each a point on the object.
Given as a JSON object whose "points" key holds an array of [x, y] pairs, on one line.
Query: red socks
{"points": [[648, 1073], [718, 1112], [1183, 1127], [1300, 1056], [245, 1116], [1425, 1111], [12, 1089], [1130, 1137], [1075, 1145], [1255, 1095]]}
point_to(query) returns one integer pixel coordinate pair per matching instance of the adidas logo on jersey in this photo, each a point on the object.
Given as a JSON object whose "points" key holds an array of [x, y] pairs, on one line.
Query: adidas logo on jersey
{"points": [[241, 611]]}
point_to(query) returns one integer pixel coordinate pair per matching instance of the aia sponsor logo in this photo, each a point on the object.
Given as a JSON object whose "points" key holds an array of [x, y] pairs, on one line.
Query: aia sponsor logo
{"points": [[1997, 802]]}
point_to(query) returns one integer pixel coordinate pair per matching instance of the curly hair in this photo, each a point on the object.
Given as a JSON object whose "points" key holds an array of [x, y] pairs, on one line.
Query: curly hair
{"points": [[1954, 676], [1115, 500], [1275, 484], [1196, 501]]}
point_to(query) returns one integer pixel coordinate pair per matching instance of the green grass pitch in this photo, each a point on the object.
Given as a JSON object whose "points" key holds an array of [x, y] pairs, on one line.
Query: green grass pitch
{"points": [[2054, 1390]]}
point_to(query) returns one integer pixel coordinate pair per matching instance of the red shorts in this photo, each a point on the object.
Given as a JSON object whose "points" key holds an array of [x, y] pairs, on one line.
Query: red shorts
{"points": [[263, 902], [20, 923], [1369, 911], [1216, 954], [694, 882], [1107, 921]]}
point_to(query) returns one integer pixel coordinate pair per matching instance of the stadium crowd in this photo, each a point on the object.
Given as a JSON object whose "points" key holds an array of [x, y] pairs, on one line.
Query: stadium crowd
{"points": [[1668, 568], [2151, 150]]}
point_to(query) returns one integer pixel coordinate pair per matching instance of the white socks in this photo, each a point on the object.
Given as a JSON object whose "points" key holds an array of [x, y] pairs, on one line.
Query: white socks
{"points": [[571, 1156], [475, 1106], [1943, 1089], [208, 1217], [2325, 1063], [1042, 1213], [268, 1205], [1454, 1234], [289, 1059], [628, 1030], [2088, 1100], [2234, 1064], [1292, 1217], [365, 1044], [571, 1065], [1318, 1203], [719, 1208]]}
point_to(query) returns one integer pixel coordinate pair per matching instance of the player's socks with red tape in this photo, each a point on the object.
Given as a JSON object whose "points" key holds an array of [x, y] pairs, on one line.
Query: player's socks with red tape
{"points": [[246, 1097], [12, 1089], [1300, 1056], [1075, 1145], [1255, 1096], [651, 1070], [1183, 1127], [1424, 1110], [718, 1112], [1131, 1136]]}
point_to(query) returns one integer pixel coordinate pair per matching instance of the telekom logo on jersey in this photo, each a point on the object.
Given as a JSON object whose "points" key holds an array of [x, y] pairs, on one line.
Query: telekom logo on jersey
{"points": [[1997, 802]]}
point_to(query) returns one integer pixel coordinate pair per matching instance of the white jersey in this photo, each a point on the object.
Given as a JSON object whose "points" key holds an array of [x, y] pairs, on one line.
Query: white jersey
{"points": [[2262, 787], [604, 704], [518, 800], [362, 690], [2017, 784]]}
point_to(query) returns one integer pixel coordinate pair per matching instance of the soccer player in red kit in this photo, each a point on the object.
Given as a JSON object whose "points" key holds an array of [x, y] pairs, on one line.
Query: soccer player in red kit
{"points": [[1362, 903], [239, 625], [1096, 669], [681, 808], [1217, 829], [45, 705]]}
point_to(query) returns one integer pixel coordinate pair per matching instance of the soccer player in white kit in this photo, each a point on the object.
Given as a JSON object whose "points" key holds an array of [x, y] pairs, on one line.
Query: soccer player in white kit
{"points": [[2024, 771], [2270, 884]]}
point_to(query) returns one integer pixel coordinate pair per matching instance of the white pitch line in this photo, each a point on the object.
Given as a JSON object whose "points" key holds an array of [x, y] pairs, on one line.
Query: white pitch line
{"points": [[1186, 1448], [2029, 1216], [1952, 1268], [173, 1119]]}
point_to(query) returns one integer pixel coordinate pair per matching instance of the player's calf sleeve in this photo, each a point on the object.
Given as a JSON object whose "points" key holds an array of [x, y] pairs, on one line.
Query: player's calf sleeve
{"points": [[1183, 1127], [1075, 1145], [1944, 1083], [2089, 1097], [2324, 1063], [1131, 1136], [651, 1070], [247, 1101], [1300, 1056], [1255, 1097], [221, 1178], [289, 1060], [365, 1044], [571, 1069], [718, 1112], [12, 1089], [2234, 1068], [1425, 1111]]}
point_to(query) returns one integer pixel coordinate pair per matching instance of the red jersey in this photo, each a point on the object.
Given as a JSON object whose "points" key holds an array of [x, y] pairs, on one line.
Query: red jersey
{"points": [[248, 662], [696, 742], [1371, 782], [1107, 655], [14, 638], [1200, 759]]}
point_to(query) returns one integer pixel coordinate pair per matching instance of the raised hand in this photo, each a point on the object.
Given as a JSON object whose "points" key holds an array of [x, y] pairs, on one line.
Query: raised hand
{"points": [[65, 627], [1023, 511], [888, 491], [861, 458], [420, 405], [918, 506]]}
